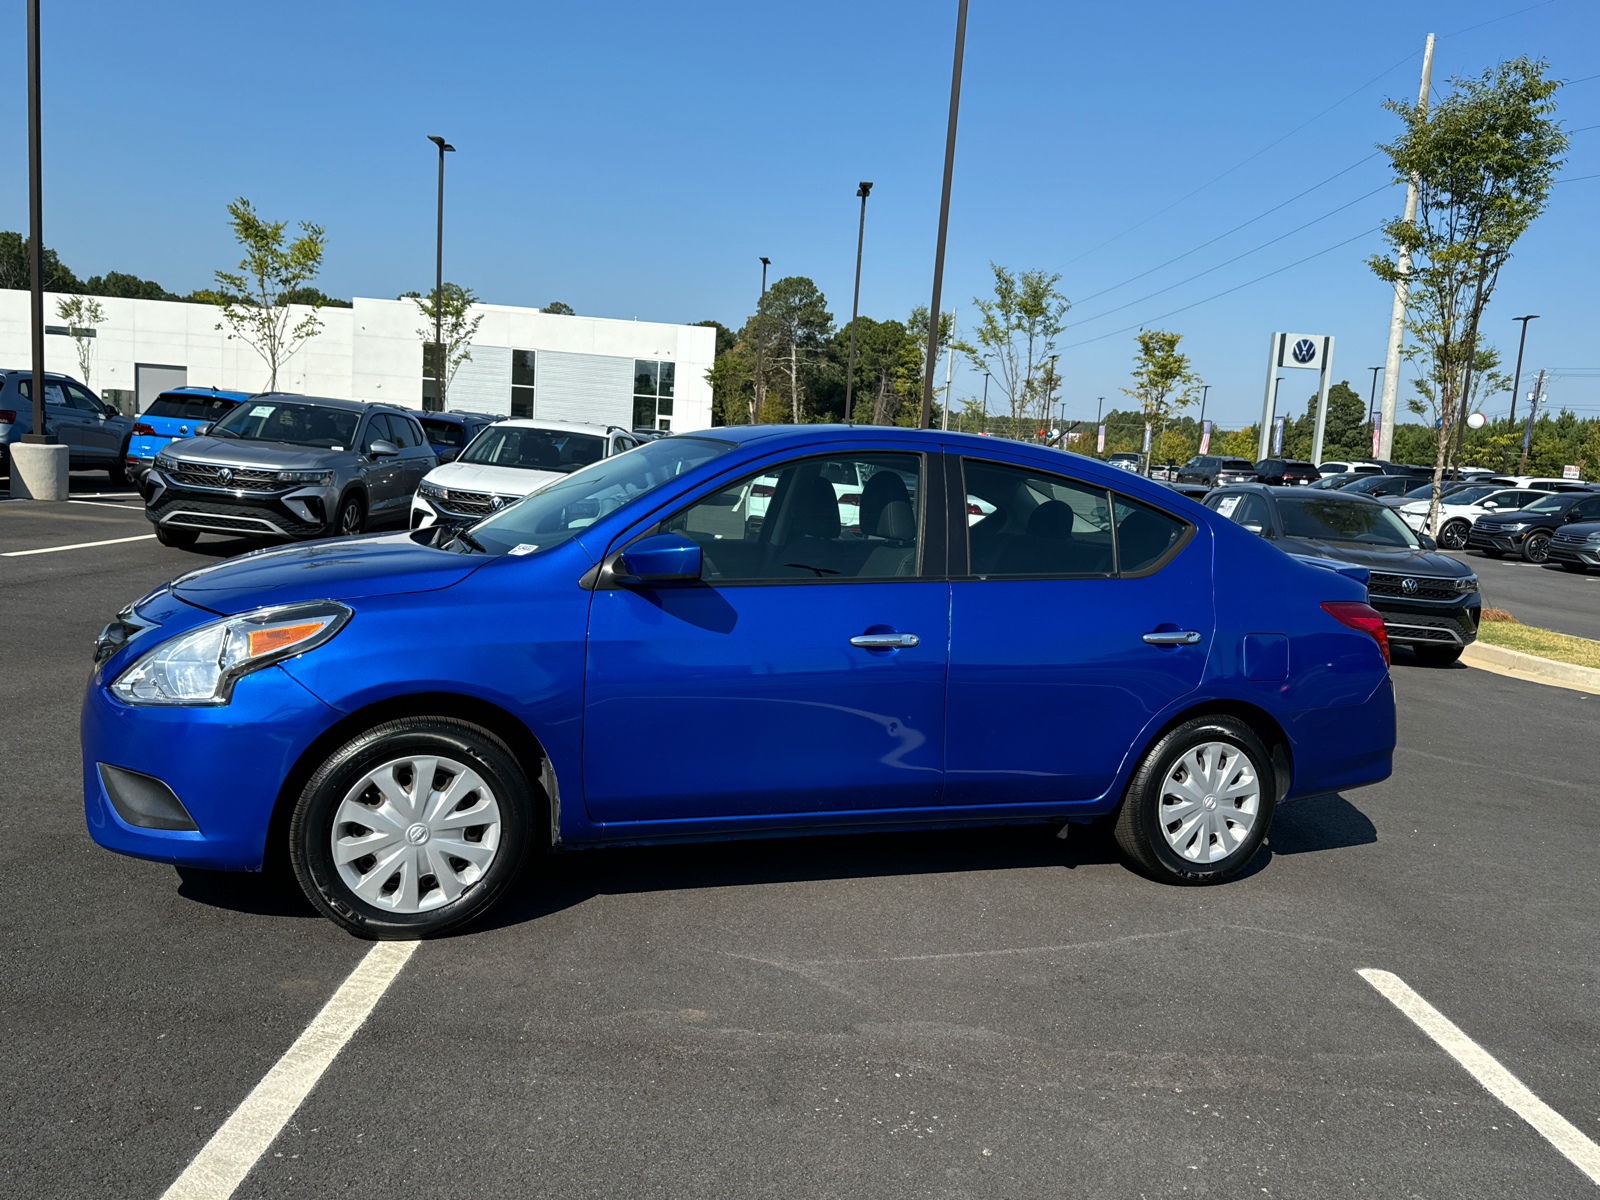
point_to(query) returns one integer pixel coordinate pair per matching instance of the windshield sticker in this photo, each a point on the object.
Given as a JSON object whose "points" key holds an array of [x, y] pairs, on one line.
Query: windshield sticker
{"points": [[261, 410], [335, 447], [1227, 504], [524, 548]]}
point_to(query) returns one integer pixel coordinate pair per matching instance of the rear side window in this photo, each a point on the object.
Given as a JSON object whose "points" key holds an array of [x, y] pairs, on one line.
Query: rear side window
{"points": [[445, 433], [1145, 535], [1238, 464], [187, 406]]}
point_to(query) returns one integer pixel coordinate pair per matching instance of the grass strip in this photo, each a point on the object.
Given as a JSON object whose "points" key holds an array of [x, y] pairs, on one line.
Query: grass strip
{"points": [[1546, 643]]}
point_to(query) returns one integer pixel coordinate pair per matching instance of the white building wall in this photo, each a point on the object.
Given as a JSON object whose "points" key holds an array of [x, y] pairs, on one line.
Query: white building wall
{"points": [[373, 351]]}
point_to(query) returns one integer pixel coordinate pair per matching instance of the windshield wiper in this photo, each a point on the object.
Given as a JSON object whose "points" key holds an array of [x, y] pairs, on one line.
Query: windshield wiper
{"points": [[463, 536]]}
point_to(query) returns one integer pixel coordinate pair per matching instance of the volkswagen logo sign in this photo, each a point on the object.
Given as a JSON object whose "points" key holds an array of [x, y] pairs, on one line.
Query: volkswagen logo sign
{"points": [[497, 503], [1408, 586], [184, 430], [225, 475], [1304, 351]]}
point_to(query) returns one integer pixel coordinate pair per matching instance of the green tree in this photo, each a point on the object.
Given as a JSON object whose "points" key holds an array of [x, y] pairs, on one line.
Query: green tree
{"points": [[1482, 160], [1347, 433], [558, 308], [457, 327], [1163, 381], [797, 325], [14, 271], [1015, 334], [252, 298], [83, 316], [123, 286]]}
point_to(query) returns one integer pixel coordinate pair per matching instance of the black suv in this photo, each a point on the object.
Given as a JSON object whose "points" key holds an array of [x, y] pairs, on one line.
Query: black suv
{"points": [[1214, 470], [1286, 472], [1528, 530], [1429, 600]]}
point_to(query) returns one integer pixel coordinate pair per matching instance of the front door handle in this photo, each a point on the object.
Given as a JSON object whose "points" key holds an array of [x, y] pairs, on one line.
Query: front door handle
{"points": [[885, 641], [1183, 637]]}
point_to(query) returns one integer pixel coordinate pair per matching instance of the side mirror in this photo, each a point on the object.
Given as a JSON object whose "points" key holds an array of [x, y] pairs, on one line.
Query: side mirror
{"points": [[1427, 541], [660, 558], [1253, 528], [203, 428], [448, 455], [383, 449]]}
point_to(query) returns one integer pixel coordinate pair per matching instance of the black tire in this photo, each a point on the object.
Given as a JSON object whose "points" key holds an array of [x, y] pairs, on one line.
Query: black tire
{"points": [[351, 517], [1575, 568], [1453, 535], [1536, 546], [1139, 830], [1437, 656], [117, 472], [311, 827], [178, 539]]}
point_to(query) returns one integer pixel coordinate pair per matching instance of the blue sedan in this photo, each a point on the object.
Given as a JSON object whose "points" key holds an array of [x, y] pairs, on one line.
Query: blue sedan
{"points": [[746, 632]]}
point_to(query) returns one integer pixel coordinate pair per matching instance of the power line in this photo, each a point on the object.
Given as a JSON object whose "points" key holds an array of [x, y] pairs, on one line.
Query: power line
{"points": [[1234, 259], [1577, 179], [1229, 291]]}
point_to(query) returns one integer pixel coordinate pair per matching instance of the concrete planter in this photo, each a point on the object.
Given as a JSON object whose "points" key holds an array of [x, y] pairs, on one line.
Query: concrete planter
{"points": [[38, 472]]}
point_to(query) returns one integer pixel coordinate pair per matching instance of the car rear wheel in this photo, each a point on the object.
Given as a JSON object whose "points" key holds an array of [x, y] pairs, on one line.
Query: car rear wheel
{"points": [[1536, 547], [1453, 535], [117, 472], [1437, 656], [179, 539], [412, 828], [352, 516], [1199, 804]]}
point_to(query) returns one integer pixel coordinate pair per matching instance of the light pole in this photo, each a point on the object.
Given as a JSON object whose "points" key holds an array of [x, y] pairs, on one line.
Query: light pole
{"points": [[761, 337], [1205, 390], [983, 421], [1516, 380], [1275, 388], [944, 216], [438, 284], [35, 235], [855, 304]]}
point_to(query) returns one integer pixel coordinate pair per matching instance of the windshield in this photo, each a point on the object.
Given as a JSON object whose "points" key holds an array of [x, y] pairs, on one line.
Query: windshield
{"points": [[534, 449], [1330, 520], [189, 406], [1368, 483], [1466, 495], [564, 507], [1551, 503], [290, 421]]}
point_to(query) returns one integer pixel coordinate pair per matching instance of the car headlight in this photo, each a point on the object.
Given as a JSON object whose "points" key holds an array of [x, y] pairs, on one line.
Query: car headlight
{"points": [[1469, 584], [201, 665], [1515, 526], [165, 462], [430, 491], [322, 477]]}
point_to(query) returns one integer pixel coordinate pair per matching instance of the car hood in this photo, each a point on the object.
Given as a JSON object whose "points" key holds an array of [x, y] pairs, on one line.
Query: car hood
{"points": [[336, 569], [502, 481], [236, 452], [1389, 561], [1519, 515]]}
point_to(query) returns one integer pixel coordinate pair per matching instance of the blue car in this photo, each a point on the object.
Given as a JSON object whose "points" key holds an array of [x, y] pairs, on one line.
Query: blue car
{"points": [[182, 412], [703, 639], [449, 433]]}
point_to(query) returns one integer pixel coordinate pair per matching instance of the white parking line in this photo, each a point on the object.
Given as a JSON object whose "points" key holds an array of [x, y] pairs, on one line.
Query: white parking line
{"points": [[142, 537], [226, 1159], [104, 504], [1482, 1066]]}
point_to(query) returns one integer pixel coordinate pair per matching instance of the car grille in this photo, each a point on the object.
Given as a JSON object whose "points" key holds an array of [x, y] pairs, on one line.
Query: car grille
{"points": [[246, 479], [1418, 627], [202, 514], [1424, 588], [1575, 540], [472, 504]]}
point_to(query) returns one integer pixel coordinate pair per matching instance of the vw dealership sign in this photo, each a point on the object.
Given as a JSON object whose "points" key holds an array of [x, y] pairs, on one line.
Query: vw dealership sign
{"points": [[1302, 350], [1307, 351]]}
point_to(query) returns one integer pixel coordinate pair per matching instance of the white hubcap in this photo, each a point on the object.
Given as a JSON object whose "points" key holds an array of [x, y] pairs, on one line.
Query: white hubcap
{"points": [[1209, 802], [415, 833]]}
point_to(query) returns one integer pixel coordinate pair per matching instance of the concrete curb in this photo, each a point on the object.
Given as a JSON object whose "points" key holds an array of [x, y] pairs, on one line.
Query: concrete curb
{"points": [[1532, 668]]}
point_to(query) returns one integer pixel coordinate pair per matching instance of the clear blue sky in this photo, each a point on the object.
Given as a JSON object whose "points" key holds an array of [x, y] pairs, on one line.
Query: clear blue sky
{"points": [[634, 159]]}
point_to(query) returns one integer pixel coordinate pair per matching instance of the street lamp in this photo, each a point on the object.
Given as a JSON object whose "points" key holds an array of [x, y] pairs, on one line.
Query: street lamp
{"points": [[36, 237], [944, 216], [855, 304], [1516, 380], [1205, 390], [761, 337], [438, 284]]}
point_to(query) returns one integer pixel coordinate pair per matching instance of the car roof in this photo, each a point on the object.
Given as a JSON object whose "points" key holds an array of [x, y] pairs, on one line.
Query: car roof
{"points": [[456, 414], [1272, 489], [559, 426], [196, 390]]}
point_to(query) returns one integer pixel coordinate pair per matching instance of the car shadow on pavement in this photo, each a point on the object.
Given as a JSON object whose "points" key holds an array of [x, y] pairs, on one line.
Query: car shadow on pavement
{"points": [[1319, 823], [262, 893]]}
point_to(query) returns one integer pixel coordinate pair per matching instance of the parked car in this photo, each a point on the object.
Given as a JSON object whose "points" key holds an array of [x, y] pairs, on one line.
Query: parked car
{"points": [[1378, 486], [1576, 546], [1333, 483], [1529, 530], [507, 461], [182, 412], [1460, 508], [285, 466], [1127, 460], [1286, 472], [1429, 601], [1354, 467], [1547, 483], [449, 433], [1424, 491], [1214, 470], [437, 704], [95, 433]]}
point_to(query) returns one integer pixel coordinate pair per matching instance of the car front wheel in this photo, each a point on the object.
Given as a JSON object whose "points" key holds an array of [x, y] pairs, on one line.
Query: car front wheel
{"points": [[1536, 547], [178, 539], [1437, 656], [352, 516], [412, 828], [1199, 804], [1454, 535]]}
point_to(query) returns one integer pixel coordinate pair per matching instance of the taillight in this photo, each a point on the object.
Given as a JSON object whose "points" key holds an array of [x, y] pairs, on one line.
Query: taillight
{"points": [[7, 415], [140, 429], [761, 489], [1360, 616], [973, 510], [850, 498]]}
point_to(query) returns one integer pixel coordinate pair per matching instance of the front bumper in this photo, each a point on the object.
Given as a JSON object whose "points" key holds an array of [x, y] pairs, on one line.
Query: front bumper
{"points": [[427, 511], [1587, 553], [1486, 539], [1430, 624], [293, 512]]}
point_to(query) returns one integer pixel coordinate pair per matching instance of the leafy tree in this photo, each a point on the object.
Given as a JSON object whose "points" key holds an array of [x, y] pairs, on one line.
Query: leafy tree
{"points": [[1163, 382], [1016, 333], [558, 308], [82, 315], [797, 325], [1482, 160], [14, 271], [313, 298], [122, 286], [457, 327], [252, 298], [1347, 433]]}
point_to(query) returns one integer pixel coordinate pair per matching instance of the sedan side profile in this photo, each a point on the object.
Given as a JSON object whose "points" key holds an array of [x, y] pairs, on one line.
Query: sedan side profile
{"points": [[1092, 646]]}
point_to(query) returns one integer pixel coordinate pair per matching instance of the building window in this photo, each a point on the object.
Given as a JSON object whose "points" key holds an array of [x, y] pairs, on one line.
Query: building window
{"points": [[430, 377], [522, 383], [653, 387]]}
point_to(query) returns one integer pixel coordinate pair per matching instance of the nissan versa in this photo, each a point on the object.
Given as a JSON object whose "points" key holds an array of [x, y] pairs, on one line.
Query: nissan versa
{"points": [[625, 657]]}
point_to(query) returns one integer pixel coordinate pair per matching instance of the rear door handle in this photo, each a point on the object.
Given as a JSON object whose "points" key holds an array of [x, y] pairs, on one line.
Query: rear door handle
{"points": [[885, 641], [1185, 637]]}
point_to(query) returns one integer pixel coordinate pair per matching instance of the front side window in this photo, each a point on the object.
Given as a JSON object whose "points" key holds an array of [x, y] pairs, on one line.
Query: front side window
{"points": [[1329, 519], [565, 507], [290, 421], [534, 449], [1547, 504], [853, 516]]}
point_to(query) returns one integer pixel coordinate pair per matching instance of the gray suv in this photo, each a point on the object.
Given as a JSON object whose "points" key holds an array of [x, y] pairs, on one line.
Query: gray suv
{"points": [[96, 434], [285, 466]]}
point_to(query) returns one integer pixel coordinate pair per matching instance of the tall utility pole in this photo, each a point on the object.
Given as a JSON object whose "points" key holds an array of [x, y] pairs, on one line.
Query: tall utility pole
{"points": [[1371, 397], [439, 356], [1397, 312], [761, 340], [35, 231], [1533, 413], [944, 216], [1516, 379], [855, 304]]}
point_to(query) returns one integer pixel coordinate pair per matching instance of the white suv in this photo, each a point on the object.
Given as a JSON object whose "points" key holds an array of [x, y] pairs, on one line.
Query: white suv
{"points": [[505, 462]]}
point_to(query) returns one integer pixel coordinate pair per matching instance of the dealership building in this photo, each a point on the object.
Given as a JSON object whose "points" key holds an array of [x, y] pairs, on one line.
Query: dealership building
{"points": [[524, 362]]}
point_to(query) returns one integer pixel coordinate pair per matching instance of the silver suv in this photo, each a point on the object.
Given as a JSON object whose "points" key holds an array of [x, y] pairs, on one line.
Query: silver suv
{"points": [[285, 466]]}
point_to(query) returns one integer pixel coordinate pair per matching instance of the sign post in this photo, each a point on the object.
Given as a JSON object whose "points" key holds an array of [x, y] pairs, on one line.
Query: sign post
{"points": [[1310, 352]]}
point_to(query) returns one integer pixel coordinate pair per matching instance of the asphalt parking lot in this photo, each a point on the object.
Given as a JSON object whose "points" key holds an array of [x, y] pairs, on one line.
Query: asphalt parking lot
{"points": [[994, 1014]]}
